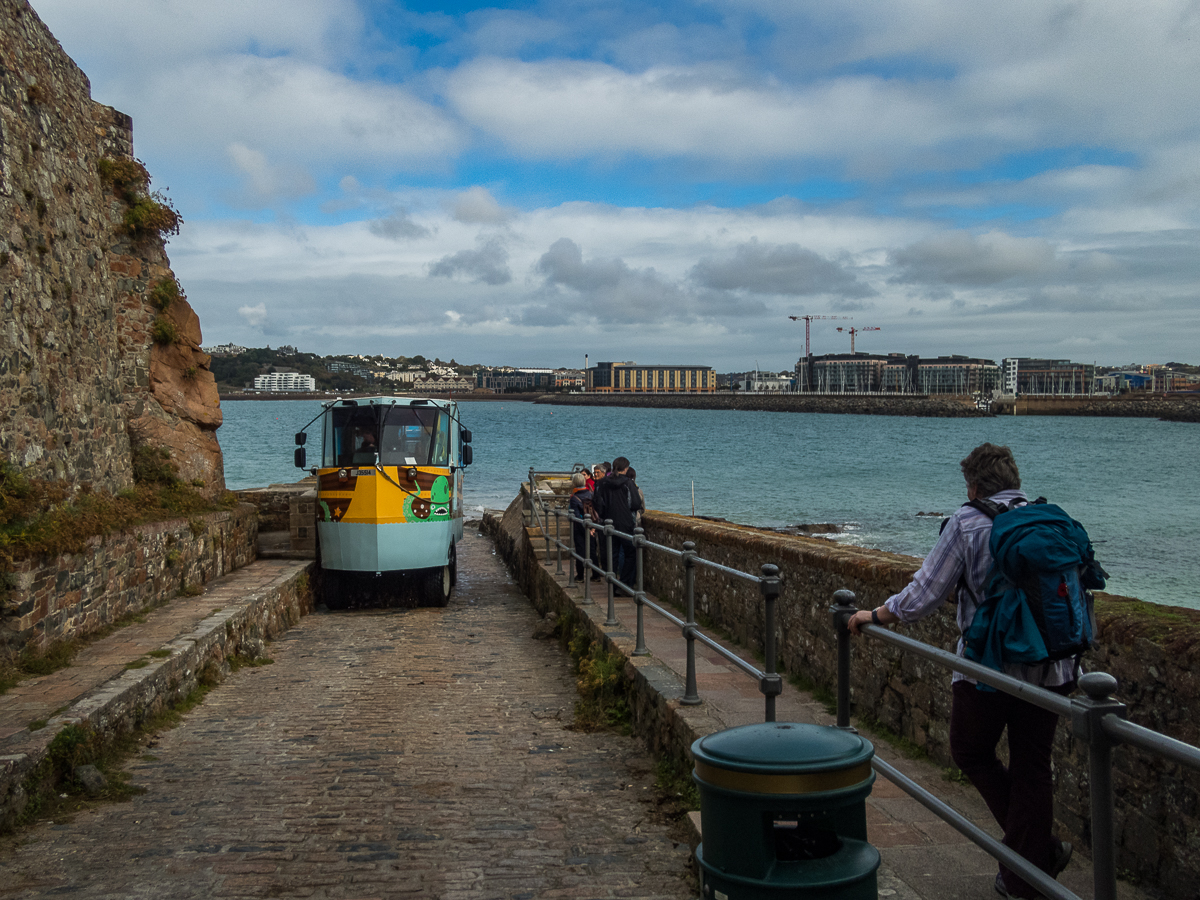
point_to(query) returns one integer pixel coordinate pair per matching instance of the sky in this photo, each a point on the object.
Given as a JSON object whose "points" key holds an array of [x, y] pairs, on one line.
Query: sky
{"points": [[523, 183]]}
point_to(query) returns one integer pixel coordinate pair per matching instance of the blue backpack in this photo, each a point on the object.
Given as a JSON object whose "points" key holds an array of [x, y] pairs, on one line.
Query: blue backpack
{"points": [[1037, 604]]}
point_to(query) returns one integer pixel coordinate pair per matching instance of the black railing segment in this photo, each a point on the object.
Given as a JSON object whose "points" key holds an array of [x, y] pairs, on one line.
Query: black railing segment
{"points": [[770, 683], [1097, 719]]}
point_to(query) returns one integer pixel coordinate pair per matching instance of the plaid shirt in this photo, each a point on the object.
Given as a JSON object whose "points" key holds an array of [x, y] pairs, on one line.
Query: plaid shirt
{"points": [[962, 557]]}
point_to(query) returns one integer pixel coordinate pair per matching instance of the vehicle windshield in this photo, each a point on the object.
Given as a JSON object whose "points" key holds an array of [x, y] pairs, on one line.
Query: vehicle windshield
{"points": [[388, 435]]}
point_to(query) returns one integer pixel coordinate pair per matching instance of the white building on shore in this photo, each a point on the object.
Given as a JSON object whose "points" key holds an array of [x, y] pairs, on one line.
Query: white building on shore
{"points": [[284, 382]]}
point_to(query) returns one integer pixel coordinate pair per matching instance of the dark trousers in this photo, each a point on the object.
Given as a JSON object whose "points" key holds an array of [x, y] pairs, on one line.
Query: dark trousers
{"points": [[580, 538], [625, 562], [1021, 796]]}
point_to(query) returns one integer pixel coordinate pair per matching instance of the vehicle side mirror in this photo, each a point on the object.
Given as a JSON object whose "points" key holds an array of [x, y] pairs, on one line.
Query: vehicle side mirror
{"points": [[467, 455], [301, 437], [301, 461], [466, 435]]}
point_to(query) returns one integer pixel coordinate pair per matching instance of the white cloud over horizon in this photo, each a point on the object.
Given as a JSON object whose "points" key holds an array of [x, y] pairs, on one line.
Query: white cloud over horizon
{"points": [[671, 178]]}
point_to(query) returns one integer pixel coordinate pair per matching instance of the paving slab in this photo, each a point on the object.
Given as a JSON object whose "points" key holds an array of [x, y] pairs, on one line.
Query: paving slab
{"points": [[385, 753]]}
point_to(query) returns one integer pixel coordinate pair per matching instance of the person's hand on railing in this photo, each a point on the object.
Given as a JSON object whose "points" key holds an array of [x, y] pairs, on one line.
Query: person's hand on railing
{"points": [[880, 615]]}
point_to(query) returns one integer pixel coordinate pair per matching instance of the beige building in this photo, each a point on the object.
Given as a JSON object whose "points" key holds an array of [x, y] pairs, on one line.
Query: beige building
{"points": [[629, 377]]}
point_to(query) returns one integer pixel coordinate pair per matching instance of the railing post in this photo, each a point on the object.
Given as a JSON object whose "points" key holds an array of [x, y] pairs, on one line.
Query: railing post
{"points": [[587, 559], [558, 538], [1085, 723], [691, 697], [532, 515], [842, 609], [572, 564], [608, 575], [639, 596], [771, 684]]}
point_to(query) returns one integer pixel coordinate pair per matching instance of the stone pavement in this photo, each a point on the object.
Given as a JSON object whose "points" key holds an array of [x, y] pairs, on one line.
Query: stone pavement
{"points": [[923, 857], [386, 753], [49, 697]]}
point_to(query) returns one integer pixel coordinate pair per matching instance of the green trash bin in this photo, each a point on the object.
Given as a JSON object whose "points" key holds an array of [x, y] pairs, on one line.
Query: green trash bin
{"points": [[783, 813]]}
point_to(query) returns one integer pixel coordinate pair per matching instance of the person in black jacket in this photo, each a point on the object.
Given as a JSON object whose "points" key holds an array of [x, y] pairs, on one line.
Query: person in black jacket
{"points": [[617, 498], [580, 505]]}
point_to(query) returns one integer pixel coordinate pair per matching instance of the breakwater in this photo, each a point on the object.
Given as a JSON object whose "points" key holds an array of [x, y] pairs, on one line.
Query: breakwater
{"points": [[1172, 409], [929, 407]]}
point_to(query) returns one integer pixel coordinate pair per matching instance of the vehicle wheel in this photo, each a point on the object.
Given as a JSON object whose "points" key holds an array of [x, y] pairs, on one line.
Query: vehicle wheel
{"points": [[436, 586], [453, 565], [333, 590]]}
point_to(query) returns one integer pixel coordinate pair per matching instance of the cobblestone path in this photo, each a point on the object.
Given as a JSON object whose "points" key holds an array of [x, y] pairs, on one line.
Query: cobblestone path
{"points": [[386, 753]]}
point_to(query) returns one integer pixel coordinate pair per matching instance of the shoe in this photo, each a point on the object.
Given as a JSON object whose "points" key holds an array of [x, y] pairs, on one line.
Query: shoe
{"points": [[1003, 891], [1062, 856]]}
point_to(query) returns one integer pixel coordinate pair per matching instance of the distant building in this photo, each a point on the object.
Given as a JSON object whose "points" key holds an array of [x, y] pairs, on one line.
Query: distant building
{"points": [[842, 373], [571, 379], [405, 375], [283, 382], [443, 384], [1055, 377], [225, 350], [941, 375], [756, 383], [510, 378], [361, 371], [629, 377], [895, 373]]}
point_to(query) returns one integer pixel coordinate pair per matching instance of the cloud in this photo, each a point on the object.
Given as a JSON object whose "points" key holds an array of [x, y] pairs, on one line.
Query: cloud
{"points": [[488, 264], [255, 316], [787, 269], [398, 227], [476, 206], [963, 259], [264, 184], [609, 290]]}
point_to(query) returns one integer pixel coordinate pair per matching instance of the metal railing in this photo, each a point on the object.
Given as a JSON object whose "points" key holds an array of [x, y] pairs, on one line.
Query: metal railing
{"points": [[770, 683], [1097, 719]]}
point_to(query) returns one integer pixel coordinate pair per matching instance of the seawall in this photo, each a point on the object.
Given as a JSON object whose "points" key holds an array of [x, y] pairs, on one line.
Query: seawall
{"points": [[1153, 651], [1174, 408], [956, 408]]}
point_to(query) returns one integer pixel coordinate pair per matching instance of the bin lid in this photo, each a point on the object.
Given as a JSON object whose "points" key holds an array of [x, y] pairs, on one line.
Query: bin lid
{"points": [[795, 758]]}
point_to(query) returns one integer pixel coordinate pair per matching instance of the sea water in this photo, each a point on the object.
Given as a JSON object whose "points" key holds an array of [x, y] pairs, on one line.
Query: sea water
{"points": [[885, 480]]}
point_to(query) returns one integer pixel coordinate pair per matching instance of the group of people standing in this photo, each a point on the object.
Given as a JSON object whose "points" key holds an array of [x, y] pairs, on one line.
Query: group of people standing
{"points": [[610, 491]]}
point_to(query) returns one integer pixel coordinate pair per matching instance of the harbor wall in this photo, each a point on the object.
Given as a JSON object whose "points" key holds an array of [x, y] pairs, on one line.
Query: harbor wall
{"points": [[1153, 651], [950, 407]]}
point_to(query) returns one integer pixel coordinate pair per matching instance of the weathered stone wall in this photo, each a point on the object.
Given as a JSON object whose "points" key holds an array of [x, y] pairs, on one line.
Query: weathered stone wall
{"points": [[73, 595], [275, 503], [1153, 651], [80, 376]]}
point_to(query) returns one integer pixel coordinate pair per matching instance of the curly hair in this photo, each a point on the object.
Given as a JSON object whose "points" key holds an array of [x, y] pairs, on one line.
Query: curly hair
{"points": [[991, 469]]}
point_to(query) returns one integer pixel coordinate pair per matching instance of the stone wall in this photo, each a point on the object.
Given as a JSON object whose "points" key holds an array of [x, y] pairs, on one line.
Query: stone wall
{"points": [[73, 595], [1153, 651], [80, 376]]}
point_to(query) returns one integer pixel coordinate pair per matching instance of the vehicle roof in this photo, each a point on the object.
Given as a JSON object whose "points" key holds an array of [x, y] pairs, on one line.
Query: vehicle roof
{"points": [[383, 400]]}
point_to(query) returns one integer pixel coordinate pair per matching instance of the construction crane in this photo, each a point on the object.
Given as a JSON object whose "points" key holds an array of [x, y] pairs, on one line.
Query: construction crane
{"points": [[853, 332], [808, 324]]}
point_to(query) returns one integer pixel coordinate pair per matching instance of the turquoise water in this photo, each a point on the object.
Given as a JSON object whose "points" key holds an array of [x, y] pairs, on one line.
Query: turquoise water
{"points": [[1129, 481]]}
